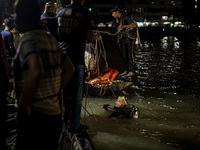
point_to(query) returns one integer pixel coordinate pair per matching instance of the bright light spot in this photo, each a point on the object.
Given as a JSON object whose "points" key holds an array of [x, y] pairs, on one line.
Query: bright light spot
{"points": [[178, 22], [152, 3], [140, 24], [154, 23], [109, 25], [164, 17], [147, 23], [166, 23], [101, 25]]}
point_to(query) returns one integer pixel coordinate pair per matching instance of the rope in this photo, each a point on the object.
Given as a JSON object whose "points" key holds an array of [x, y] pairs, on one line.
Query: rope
{"points": [[106, 32], [100, 51], [104, 55], [97, 57], [86, 103]]}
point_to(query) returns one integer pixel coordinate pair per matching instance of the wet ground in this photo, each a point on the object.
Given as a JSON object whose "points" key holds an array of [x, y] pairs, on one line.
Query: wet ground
{"points": [[167, 95]]}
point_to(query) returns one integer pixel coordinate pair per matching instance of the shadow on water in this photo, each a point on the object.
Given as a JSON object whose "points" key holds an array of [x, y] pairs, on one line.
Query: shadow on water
{"points": [[167, 95]]}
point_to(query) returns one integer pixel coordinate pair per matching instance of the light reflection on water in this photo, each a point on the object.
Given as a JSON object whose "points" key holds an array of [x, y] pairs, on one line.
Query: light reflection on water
{"points": [[168, 98], [169, 64]]}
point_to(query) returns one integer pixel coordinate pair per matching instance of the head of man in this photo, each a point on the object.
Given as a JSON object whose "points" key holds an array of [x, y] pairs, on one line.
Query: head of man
{"points": [[14, 31], [27, 13], [50, 9], [116, 12], [121, 102], [8, 22]]}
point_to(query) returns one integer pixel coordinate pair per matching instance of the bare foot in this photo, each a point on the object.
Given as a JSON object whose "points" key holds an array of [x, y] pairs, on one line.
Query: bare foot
{"points": [[122, 74], [130, 74]]}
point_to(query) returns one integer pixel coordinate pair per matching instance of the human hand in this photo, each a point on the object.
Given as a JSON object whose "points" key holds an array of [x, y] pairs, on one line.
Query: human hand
{"points": [[121, 27], [43, 21], [26, 111], [99, 37]]}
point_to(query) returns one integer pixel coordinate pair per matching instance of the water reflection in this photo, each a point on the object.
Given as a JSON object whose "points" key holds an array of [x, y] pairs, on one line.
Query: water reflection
{"points": [[169, 64], [167, 95]]}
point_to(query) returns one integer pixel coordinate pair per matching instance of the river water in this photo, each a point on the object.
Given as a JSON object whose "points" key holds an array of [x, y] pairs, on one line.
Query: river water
{"points": [[167, 95]]}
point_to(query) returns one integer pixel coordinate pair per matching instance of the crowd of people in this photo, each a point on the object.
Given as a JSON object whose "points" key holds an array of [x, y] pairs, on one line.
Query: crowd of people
{"points": [[46, 62]]}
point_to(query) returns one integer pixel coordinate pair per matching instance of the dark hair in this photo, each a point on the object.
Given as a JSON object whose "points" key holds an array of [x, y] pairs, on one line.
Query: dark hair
{"points": [[117, 8], [28, 11], [9, 22]]}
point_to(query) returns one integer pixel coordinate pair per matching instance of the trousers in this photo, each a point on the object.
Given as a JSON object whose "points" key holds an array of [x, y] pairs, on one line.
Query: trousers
{"points": [[38, 131], [73, 95], [128, 58]]}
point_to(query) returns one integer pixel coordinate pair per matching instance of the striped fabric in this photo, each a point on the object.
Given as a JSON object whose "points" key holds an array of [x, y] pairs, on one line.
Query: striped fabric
{"points": [[38, 42]]}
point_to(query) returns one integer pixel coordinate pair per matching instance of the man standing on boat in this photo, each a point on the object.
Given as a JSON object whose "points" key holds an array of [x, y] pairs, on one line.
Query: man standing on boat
{"points": [[127, 37], [74, 28]]}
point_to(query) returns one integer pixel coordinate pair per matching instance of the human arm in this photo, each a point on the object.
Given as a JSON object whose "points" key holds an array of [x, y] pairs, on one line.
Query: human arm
{"points": [[12, 50], [67, 72], [129, 23], [130, 26], [90, 37], [4, 53], [31, 83], [97, 36]]}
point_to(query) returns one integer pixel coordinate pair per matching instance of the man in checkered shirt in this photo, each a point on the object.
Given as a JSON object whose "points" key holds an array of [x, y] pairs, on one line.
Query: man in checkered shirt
{"points": [[40, 72]]}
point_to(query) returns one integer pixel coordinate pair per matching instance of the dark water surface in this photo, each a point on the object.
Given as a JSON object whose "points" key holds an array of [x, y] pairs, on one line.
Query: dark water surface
{"points": [[167, 95], [169, 64]]}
